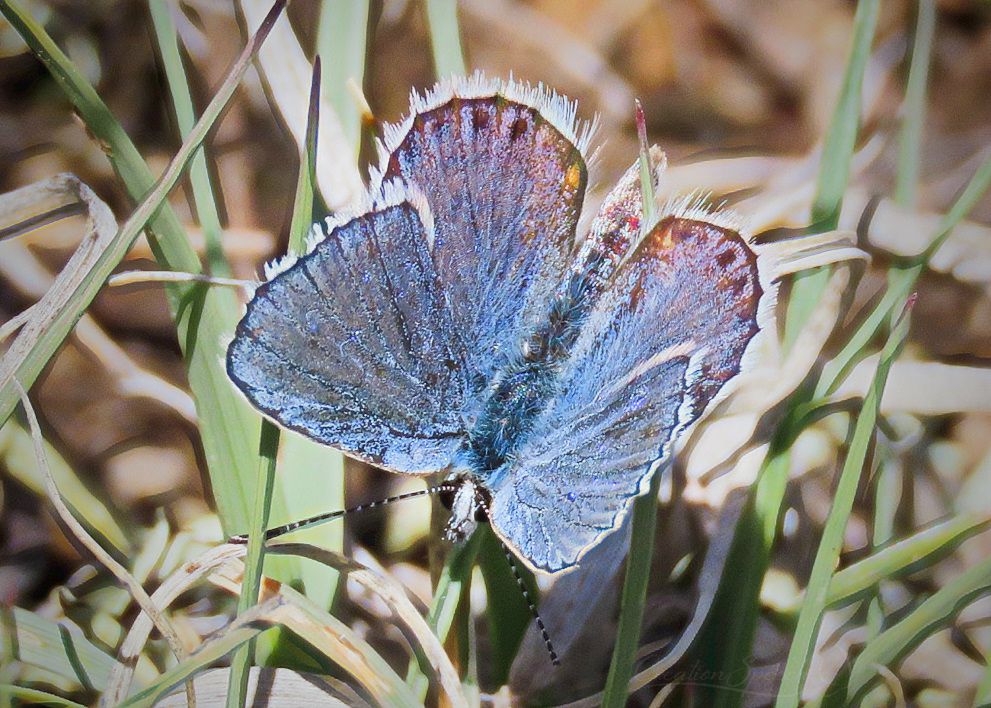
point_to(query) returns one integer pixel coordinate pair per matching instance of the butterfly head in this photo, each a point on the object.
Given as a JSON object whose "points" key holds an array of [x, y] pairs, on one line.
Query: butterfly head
{"points": [[469, 502]]}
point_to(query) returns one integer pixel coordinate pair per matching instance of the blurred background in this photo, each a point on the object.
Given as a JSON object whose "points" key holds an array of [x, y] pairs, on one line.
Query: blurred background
{"points": [[719, 79]]}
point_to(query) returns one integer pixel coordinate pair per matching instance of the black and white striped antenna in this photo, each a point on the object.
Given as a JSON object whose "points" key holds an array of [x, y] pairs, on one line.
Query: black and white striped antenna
{"points": [[278, 531]]}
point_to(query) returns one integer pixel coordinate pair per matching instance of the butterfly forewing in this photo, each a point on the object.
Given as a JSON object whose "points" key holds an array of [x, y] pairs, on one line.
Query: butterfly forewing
{"points": [[355, 347], [667, 334], [506, 187]]}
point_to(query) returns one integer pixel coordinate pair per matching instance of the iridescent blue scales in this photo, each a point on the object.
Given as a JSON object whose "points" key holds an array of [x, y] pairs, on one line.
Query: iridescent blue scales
{"points": [[455, 323]]}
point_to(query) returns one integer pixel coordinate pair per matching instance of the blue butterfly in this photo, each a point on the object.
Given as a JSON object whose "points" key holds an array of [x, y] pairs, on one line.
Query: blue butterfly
{"points": [[456, 322]]}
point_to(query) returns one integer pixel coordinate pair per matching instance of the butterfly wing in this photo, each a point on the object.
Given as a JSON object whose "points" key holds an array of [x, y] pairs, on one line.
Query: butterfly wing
{"points": [[666, 336], [503, 170], [354, 345]]}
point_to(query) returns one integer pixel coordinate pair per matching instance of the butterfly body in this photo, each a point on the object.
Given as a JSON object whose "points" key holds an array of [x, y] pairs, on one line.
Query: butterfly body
{"points": [[456, 323]]}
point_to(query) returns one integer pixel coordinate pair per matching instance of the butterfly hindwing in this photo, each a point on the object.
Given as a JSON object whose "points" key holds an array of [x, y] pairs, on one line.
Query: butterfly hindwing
{"points": [[665, 337], [354, 344]]}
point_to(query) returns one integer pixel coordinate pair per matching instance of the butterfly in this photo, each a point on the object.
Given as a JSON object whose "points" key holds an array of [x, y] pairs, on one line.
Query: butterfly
{"points": [[456, 321]]}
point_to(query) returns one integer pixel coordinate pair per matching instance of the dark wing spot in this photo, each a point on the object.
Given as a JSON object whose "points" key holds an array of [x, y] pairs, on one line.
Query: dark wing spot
{"points": [[519, 129], [726, 258]]}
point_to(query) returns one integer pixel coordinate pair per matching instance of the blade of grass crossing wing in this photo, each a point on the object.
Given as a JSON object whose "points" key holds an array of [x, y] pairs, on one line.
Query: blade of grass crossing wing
{"points": [[827, 556], [312, 475], [644, 520], [204, 197], [205, 316], [834, 167], [302, 210]]}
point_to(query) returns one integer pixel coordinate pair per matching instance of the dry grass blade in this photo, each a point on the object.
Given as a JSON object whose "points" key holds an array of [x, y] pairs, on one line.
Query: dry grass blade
{"points": [[281, 605], [44, 202], [119, 683], [162, 623], [395, 597], [29, 275], [131, 277], [180, 581], [271, 688], [242, 630], [102, 228]]}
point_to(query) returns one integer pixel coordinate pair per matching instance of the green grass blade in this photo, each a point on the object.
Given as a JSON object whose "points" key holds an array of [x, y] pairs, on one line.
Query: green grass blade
{"points": [[887, 499], [900, 283], [59, 648], [905, 556], [302, 209], [34, 697], [182, 103], [205, 316], [633, 596], [936, 612], [312, 476], [454, 580], [268, 452], [834, 167], [817, 592], [914, 109], [342, 34], [507, 613], [644, 521], [445, 38], [734, 615]]}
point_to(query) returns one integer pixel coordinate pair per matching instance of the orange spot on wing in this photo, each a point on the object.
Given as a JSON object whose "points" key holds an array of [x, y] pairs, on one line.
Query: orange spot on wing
{"points": [[573, 177]]}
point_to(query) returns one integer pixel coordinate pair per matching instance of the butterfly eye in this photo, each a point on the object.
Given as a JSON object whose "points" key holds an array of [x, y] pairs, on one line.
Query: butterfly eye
{"points": [[484, 499]]}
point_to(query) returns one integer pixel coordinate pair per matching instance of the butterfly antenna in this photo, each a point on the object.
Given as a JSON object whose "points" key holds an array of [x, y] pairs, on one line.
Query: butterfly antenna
{"points": [[529, 603], [332, 515]]}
